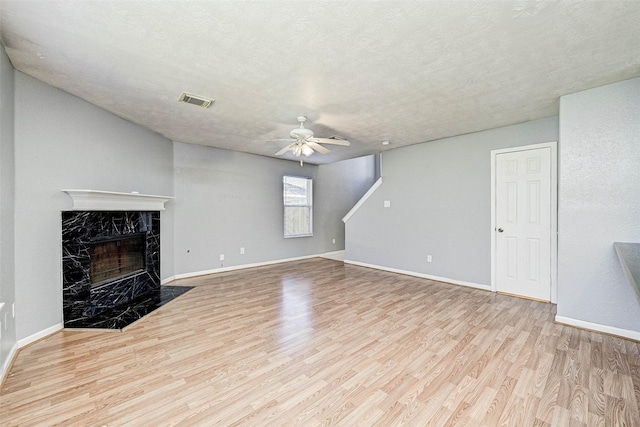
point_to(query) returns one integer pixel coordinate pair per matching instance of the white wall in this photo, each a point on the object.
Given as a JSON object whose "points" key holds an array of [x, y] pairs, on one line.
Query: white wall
{"points": [[440, 194], [599, 203], [64, 142], [7, 203], [226, 200]]}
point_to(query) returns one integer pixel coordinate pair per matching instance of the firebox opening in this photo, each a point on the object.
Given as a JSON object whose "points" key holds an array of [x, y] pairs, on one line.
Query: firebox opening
{"points": [[117, 256]]}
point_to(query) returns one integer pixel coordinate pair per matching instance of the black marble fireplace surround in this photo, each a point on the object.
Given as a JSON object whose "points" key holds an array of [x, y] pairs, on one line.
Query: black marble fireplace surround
{"points": [[116, 302]]}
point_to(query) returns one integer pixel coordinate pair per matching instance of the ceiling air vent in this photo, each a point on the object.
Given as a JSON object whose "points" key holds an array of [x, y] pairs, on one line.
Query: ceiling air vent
{"points": [[200, 101]]}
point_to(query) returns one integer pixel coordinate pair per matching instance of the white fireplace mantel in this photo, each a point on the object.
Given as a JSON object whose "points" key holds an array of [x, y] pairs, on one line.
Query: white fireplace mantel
{"points": [[96, 200]]}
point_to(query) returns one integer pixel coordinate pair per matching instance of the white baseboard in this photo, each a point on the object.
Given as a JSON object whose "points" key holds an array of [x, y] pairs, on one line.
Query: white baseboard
{"points": [[335, 255], [167, 280], [38, 335], [235, 267], [624, 333], [4, 369], [422, 276]]}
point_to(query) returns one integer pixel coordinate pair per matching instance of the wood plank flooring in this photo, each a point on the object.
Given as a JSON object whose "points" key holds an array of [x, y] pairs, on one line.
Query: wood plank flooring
{"points": [[317, 342]]}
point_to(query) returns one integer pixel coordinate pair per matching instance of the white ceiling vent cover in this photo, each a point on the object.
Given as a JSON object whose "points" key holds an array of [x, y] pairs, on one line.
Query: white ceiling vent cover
{"points": [[200, 101]]}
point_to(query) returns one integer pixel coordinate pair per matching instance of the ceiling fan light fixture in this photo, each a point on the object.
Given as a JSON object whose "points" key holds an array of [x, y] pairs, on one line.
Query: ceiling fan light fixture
{"points": [[306, 150], [305, 144], [197, 100]]}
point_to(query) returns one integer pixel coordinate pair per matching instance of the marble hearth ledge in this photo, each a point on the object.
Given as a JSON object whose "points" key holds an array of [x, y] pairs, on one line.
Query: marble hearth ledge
{"points": [[96, 200]]}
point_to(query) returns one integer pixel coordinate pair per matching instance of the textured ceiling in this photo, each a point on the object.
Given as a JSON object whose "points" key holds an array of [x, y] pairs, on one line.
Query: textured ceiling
{"points": [[402, 71]]}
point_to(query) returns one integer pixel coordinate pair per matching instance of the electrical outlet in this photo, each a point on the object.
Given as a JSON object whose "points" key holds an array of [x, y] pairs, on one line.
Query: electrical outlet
{"points": [[333, 241], [387, 203], [221, 257], [429, 259], [241, 251]]}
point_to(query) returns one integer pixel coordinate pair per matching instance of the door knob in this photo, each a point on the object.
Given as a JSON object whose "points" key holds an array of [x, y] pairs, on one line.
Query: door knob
{"points": [[500, 230]]}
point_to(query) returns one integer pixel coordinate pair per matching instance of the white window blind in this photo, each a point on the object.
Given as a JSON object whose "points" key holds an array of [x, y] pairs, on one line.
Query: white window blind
{"points": [[298, 206]]}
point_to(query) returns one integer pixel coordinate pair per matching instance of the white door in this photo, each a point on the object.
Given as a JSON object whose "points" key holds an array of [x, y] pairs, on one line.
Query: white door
{"points": [[523, 223]]}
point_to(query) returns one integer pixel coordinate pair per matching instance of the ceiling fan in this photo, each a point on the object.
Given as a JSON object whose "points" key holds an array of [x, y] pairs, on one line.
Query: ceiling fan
{"points": [[305, 144]]}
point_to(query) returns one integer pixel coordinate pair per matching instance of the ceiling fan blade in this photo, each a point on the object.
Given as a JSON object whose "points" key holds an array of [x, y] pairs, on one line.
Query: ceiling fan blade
{"points": [[334, 141], [319, 148], [285, 149]]}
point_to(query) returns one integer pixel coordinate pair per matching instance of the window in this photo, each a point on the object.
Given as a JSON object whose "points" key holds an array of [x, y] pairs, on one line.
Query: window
{"points": [[298, 206]]}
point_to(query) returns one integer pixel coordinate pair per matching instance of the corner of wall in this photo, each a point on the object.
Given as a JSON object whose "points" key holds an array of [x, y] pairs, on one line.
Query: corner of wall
{"points": [[8, 340]]}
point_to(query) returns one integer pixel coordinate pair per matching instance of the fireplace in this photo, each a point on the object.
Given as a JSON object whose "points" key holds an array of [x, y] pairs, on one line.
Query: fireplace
{"points": [[109, 259], [119, 256]]}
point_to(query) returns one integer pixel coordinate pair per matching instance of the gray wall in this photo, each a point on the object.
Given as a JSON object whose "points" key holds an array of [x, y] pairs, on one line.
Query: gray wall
{"points": [[339, 187], [440, 194], [63, 142], [599, 203], [7, 203], [226, 200]]}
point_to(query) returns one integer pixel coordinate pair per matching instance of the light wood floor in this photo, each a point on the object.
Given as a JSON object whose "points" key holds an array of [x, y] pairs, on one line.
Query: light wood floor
{"points": [[316, 342]]}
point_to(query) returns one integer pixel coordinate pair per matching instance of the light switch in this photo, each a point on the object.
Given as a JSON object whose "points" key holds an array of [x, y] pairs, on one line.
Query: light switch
{"points": [[387, 203]]}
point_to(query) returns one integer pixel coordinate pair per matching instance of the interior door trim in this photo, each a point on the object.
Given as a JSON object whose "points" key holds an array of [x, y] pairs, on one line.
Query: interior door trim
{"points": [[553, 146]]}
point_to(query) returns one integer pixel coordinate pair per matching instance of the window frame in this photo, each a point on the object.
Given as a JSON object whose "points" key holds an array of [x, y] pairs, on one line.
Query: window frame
{"points": [[309, 205]]}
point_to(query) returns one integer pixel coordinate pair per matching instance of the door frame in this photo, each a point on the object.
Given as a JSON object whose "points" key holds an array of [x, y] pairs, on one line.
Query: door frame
{"points": [[553, 146]]}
